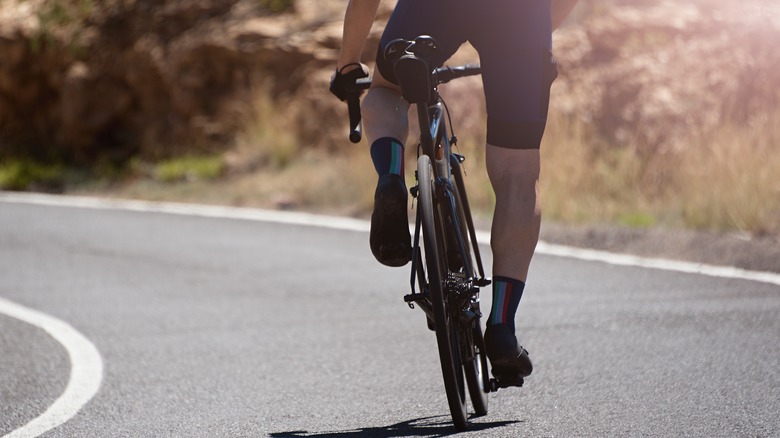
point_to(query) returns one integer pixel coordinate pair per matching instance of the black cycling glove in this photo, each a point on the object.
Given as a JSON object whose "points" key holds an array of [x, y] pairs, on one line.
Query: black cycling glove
{"points": [[340, 84]]}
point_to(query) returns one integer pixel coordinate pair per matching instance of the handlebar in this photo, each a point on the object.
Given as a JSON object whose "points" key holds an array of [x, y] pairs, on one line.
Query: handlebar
{"points": [[353, 106], [441, 75]]}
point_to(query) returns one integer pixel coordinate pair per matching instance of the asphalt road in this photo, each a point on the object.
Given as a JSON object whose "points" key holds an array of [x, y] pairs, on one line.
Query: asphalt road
{"points": [[213, 327]]}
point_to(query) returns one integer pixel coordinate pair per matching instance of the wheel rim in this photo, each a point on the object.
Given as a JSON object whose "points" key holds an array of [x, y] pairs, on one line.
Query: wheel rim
{"points": [[446, 330], [477, 378]]}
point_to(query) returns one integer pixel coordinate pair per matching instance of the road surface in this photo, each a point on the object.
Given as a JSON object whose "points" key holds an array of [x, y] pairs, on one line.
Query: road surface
{"points": [[221, 326]]}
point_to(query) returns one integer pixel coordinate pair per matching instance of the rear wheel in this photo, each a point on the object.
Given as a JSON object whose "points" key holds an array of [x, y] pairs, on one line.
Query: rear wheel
{"points": [[446, 327], [476, 370], [472, 343]]}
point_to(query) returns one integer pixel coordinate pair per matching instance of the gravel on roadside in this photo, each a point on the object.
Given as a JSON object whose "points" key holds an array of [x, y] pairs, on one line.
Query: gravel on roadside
{"points": [[746, 252]]}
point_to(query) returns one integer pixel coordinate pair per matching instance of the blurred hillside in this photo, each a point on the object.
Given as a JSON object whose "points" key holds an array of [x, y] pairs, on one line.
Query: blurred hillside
{"points": [[88, 83], [84, 80], [647, 73], [679, 101]]}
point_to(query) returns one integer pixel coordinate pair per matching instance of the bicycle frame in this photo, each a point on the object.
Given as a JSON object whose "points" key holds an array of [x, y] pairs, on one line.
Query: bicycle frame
{"points": [[436, 144], [448, 293]]}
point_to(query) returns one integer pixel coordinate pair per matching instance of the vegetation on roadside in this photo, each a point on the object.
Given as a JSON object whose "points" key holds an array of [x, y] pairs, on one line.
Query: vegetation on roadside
{"points": [[610, 163], [27, 174], [723, 180], [189, 168]]}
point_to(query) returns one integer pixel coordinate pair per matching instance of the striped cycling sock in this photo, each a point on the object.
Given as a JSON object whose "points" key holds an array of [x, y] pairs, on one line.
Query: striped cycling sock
{"points": [[388, 156], [506, 298]]}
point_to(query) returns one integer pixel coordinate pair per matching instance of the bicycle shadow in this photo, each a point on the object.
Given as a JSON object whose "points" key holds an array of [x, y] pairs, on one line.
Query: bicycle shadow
{"points": [[438, 426]]}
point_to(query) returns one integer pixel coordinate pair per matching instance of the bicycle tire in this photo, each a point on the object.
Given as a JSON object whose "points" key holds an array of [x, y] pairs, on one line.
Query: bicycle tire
{"points": [[477, 377], [474, 361], [446, 330]]}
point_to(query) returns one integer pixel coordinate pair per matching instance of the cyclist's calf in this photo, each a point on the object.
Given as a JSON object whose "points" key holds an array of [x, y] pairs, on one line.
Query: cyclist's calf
{"points": [[514, 174]]}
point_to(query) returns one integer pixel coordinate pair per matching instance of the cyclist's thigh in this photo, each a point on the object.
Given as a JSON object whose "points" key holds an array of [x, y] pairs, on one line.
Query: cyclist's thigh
{"points": [[515, 48], [440, 19]]}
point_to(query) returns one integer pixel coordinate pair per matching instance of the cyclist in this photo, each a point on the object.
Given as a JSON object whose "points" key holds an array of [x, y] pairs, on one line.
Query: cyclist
{"points": [[514, 42]]}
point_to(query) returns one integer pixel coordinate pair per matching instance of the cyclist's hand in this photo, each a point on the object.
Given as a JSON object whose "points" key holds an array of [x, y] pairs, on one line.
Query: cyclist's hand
{"points": [[342, 83]]}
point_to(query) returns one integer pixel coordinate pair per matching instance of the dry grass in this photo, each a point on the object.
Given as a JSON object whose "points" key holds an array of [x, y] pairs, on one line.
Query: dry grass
{"points": [[583, 181], [726, 180], [722, 180], [730, 179]]}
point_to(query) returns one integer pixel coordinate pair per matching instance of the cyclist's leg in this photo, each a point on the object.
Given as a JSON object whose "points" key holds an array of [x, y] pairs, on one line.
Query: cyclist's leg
{"points": [[386, 127], [385, 113], [514, 175], [517, 70], [385, 119]]}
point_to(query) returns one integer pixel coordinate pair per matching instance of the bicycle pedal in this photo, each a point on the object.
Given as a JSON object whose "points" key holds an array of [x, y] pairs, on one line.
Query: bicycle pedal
{"points": [[411, 298], [496, 384], [482, 282]]}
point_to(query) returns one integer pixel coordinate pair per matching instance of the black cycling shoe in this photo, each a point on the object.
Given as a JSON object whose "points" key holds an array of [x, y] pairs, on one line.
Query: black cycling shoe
{"points": [[390, 240], [510, 361]]}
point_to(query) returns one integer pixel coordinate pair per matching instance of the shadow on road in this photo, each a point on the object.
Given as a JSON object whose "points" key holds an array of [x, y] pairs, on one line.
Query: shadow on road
{"points": [[422, 427]]}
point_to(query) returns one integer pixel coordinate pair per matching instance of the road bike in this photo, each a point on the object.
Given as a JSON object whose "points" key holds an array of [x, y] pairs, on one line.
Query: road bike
{"points": [[446, 268]]}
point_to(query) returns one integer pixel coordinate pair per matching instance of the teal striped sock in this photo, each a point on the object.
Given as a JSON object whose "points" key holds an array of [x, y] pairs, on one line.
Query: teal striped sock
{"points": [[506, 299], [388, 156]]}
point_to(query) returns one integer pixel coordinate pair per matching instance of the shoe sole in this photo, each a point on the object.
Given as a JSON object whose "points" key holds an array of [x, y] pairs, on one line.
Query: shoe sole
{"points": [[512, 368], [390, 210]]}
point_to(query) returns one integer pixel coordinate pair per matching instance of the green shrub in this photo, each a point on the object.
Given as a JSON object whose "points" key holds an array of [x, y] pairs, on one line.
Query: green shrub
{"points": [[23, 175], [189, 168]]}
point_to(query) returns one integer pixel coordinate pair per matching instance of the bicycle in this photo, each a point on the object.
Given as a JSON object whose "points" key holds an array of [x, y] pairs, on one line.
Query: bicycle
{"points": [[447, 270]]}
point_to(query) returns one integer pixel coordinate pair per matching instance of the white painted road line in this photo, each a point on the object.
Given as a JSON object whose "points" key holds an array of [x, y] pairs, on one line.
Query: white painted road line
{"points": [[297, 218], [658, 263], [87, 366], [86, 372]]}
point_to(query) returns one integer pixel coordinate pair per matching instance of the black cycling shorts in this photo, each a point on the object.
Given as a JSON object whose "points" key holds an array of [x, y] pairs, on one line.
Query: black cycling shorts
{"points": [[514, 42]]}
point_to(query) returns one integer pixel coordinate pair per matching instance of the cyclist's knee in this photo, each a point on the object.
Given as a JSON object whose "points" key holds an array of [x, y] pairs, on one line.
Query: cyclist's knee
{"points": [[515, 168], [385, 114], [382, 105], [514, 175]]}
